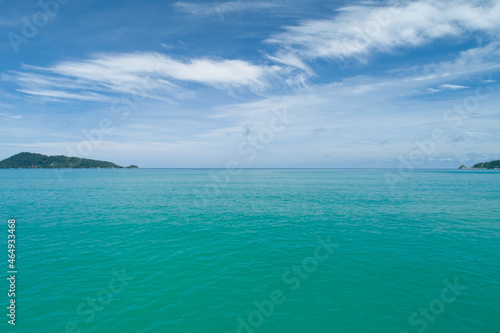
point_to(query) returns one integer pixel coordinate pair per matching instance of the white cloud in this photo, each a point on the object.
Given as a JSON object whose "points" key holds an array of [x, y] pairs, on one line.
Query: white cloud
{"points": [[452, 87], [151, 74], [123, 68], [359, 31], [479, 59], [216, 8], [88, 96], [12, 116], [477, 65]]}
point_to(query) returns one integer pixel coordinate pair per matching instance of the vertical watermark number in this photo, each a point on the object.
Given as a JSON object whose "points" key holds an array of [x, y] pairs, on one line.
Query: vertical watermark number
{"points": [[12, 272]]}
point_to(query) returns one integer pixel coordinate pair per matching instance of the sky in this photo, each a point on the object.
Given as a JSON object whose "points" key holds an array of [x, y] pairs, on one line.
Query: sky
{"points": [[283, 83]]}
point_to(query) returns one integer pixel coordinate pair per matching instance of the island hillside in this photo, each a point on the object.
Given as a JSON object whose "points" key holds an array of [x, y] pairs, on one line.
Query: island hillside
{"points": [[486, 165], [39, 161]]}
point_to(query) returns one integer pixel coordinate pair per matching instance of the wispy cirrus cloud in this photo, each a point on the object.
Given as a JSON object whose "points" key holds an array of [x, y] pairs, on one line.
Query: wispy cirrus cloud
{"points": [[221, 8], [359, 31], [85, 96], [90, 79], [129, 67], [452, 86], [477, 59], [12, 116]]}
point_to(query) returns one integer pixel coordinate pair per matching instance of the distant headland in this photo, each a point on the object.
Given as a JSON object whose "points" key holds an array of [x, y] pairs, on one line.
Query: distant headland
{"points": [[39, 161], [487, 165]]}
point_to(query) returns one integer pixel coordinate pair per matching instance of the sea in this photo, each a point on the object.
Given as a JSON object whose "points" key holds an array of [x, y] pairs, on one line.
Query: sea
{"points": [[252, 250]]}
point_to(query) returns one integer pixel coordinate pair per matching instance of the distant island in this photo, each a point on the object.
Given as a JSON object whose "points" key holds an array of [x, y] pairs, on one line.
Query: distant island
{"points": [[39, 161], [486, 165]]}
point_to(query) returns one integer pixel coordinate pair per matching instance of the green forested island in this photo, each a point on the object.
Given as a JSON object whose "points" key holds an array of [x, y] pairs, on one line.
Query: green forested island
{"points": [[486, 165], [39, 161]]}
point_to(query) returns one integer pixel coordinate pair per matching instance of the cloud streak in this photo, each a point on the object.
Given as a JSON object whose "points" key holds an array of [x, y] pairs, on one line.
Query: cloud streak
{"points": [[156, 73], [358, 32], [452, 86], [215, 8]]}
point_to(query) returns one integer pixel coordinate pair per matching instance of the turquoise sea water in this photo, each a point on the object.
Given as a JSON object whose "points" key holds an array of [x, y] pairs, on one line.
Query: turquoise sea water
{"points": [[262, 251]]}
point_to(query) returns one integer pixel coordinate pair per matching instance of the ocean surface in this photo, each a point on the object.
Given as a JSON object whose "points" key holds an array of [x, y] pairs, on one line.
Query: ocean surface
{"points": [[269, 250]]}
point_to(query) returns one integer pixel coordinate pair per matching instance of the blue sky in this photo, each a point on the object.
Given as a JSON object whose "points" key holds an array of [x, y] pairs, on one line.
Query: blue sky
{"points": [[264, 83]]}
